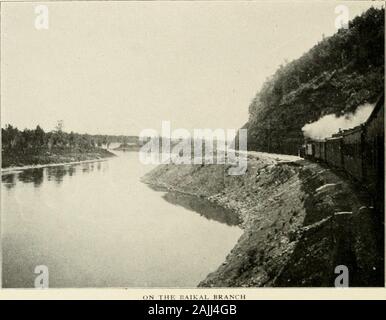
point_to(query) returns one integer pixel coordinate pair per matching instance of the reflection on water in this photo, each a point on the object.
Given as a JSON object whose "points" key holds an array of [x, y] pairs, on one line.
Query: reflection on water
{"points": [[96, 225], [54, 173], [71, 171], [205, 208], [8, 180], [34, 176]]}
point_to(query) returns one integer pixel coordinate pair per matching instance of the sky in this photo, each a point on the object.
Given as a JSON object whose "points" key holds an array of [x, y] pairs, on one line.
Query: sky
{"points": [[121, 67]]}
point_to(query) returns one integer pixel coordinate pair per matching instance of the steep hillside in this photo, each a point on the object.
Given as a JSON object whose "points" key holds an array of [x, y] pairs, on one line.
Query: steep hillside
{"points": [[334, 77]]}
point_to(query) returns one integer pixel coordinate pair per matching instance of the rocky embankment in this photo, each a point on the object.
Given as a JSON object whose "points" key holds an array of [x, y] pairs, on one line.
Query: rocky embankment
{"points": [[300, 221]]}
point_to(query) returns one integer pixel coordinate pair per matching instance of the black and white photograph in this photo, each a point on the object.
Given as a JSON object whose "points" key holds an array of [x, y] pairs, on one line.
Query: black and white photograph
{"points": [[192, 144]]}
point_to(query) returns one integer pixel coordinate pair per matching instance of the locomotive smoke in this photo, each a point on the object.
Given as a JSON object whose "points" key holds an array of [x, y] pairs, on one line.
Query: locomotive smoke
{"points": [[330, 124]]}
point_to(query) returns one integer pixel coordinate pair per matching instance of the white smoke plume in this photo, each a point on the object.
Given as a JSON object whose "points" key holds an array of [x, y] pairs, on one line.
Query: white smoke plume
{"points": [[330, 124]]}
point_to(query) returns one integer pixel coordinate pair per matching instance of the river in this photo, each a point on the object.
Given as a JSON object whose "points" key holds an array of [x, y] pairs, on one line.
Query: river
{"points": [[96, 225]]}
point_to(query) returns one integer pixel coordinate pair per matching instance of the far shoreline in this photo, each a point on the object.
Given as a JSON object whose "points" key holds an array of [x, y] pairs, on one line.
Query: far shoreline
{"points": [[11, 170]]}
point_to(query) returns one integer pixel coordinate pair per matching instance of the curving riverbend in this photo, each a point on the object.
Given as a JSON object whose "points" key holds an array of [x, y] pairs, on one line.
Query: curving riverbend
{"points": [[97, 225]]}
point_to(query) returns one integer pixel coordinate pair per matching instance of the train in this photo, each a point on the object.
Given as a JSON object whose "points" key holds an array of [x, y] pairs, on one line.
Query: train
{"points": [[359, 152]]}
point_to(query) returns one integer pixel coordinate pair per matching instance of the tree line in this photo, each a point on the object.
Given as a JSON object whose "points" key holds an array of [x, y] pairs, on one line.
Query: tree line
{"points": [[357, 49], [13, 139]]}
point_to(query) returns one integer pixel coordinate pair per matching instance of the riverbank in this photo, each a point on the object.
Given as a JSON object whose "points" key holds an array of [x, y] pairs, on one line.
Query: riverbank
{"points": [[132, 147], [15, 162], [300, 221]]}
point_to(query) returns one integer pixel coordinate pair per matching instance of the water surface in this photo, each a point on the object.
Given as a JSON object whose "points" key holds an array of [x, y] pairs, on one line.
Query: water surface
{"points": [[97, 225]]}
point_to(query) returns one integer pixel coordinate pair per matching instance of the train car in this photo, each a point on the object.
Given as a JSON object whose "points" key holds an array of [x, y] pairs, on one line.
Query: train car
{"points": [[353, 152], [302, 151], [373, 154], [310, 150], [333, 151], [359, 152], [320, 150]]}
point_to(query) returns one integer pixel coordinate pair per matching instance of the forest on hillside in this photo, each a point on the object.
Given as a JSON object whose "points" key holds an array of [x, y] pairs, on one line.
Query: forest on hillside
{"points": [[337, 75]]}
